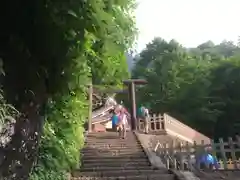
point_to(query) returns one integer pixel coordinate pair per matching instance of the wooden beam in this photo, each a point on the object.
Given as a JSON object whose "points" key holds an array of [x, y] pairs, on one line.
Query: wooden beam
{"points": [[135, 81]]}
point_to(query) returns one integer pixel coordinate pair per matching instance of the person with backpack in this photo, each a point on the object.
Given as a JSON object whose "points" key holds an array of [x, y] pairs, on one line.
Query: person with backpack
{"points": [[143, 114], [114, 119]]}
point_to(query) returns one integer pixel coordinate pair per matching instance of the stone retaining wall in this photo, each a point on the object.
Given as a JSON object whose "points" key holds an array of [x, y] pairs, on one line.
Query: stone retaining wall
{"points": [[148, 143]]}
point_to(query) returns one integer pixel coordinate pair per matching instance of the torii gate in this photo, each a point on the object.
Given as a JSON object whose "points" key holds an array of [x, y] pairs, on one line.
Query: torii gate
{"points": [[132, 93]]}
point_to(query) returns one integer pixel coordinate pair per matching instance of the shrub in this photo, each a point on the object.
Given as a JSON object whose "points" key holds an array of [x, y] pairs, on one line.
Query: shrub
{"points": [[63, 137]]}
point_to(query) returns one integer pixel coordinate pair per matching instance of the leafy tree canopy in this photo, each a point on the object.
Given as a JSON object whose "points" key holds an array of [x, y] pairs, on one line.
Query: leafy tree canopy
{"points": [[199, 85]]}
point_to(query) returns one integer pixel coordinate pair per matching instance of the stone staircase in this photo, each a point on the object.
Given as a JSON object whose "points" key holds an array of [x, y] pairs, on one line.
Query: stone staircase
{"points": [[105, 156]]}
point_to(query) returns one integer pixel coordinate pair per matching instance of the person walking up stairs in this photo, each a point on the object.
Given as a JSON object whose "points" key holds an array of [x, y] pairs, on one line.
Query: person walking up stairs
{"points": [[123, 123], [105, 156]]}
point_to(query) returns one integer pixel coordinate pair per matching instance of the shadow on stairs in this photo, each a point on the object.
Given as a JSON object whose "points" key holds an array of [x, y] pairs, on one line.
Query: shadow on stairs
{"points": [[106, 156]]}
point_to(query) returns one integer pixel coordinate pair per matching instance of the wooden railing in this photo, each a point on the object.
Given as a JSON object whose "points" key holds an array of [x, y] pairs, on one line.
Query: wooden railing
{"points": [[155, 123], [168, 124], [184, 156]]}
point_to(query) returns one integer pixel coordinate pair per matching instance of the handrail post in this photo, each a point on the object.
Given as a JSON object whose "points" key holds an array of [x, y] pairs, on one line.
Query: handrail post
{"points": [[133, 106], [164, 121]]}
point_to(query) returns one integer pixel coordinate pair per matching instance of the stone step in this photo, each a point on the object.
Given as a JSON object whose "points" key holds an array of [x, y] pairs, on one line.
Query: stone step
{"points": [[119, 160], [108, 135], [116, 173], [115, 164], [110, 138], [104, 151], [112, 146], [113, 155], [89, 150], [124, 148], [214, 175], [118, 168], [113, 143], [135, 177], [112, 158], [124, 151], [114, 139], [97, 139]]}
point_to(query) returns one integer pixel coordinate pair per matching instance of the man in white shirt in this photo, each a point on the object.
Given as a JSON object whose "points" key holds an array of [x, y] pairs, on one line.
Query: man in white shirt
{"points": [[123, 124], [146, 119]]}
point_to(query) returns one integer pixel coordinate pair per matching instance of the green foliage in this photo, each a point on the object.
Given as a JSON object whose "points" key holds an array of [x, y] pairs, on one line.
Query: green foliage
{"points": [[51, 51], [43, 173], [62, 137], [98, 34], [200, 89], [224, 49], [7, 111]]}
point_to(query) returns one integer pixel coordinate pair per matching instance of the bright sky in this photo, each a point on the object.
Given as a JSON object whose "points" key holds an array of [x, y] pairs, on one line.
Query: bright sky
{"points": [[190, 22]]}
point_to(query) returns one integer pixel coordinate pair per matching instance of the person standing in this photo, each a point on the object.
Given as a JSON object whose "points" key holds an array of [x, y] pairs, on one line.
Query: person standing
{"points": [[143, 115], [114, 120], [123, 123]]}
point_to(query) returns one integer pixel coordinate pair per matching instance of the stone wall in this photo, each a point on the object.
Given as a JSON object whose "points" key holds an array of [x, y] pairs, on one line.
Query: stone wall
{"points": [[148, 143]]}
